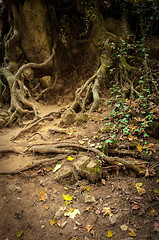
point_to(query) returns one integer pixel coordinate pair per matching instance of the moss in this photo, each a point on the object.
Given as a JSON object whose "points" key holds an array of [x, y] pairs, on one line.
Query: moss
{"points": [[92, 170], [82, 120]]}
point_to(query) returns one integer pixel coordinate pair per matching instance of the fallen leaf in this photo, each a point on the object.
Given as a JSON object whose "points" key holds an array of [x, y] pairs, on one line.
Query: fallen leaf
{"points": [[67, 202], [61, 223], [70, 158], [157, 180], [135, 207], [89, 227], [156, 226], [87, 188], [110, 234], [46, 207], [52, 222], [81, 142], [132, 234], [124, 227], [156, 191], [74, 238], [29, 164], [107, 211], [57, 167], [67, 197], [86, 209], [72, 213], [141, 191], [20, 233], [42, 196], [139, 147], [103, 181], [153, 212]]}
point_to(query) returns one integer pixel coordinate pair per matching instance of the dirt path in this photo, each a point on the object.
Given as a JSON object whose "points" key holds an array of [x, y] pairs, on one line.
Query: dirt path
{"points": [[32, 203]]}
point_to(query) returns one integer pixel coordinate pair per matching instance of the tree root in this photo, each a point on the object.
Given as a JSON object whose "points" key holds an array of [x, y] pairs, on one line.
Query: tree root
{"points": [[92, 85], [19, 91], [51, 149], [36, 134], [31, 126], [55, 160], [111, 160], [8, 150], [46, 90]]}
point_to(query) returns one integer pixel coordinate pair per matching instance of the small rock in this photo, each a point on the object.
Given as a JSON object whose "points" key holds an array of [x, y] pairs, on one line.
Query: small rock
{"points": [[88, 198], [46, 81], [13, 188], [113, 219], [68, 118], [59, 213], [65, 175]]}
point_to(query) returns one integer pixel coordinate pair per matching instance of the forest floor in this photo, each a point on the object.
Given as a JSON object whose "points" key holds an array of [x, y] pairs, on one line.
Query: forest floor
{"points": [[33, 204]]}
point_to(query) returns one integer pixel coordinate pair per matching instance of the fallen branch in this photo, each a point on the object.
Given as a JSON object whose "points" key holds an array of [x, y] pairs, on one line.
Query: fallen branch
{"points": [[55, 159]]}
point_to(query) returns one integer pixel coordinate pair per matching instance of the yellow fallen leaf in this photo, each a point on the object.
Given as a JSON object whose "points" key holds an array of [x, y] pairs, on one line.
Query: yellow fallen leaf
{"points": [[152, 211], [110, 234], [157, 180], [138, 184], [81, 142], [87, 188], [67, 197], [52, 222], [42, 196], [156, 191], [46, 207], [71, 210], [29, 164], [74, 238], [70, 158], [139, 147], [107, 211], [132, 234], [88, 227], [86, 209], [140, 190]]}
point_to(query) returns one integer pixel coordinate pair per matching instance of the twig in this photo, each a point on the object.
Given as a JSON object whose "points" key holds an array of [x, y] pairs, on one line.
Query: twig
{"points": [[55, 159]]}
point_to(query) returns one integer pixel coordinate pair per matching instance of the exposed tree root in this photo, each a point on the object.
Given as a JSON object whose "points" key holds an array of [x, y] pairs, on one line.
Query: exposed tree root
{"points": [[7, 150], [19, 91], [125, 163], [51, 150], [55, 159], [93, 85], [52, 130], [31, 126], [36, 134]]}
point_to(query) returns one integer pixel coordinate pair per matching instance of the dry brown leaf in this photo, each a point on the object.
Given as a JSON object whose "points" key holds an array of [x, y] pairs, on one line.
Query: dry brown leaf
{"points": [[89, 227]]}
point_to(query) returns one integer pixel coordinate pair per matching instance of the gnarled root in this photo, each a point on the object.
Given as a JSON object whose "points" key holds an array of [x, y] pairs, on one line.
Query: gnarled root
{"points": [[92, 86], [19, 93]]}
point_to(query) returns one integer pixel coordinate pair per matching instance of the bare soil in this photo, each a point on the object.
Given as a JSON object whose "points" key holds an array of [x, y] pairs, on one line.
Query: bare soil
{"points": [[22, 210]]}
